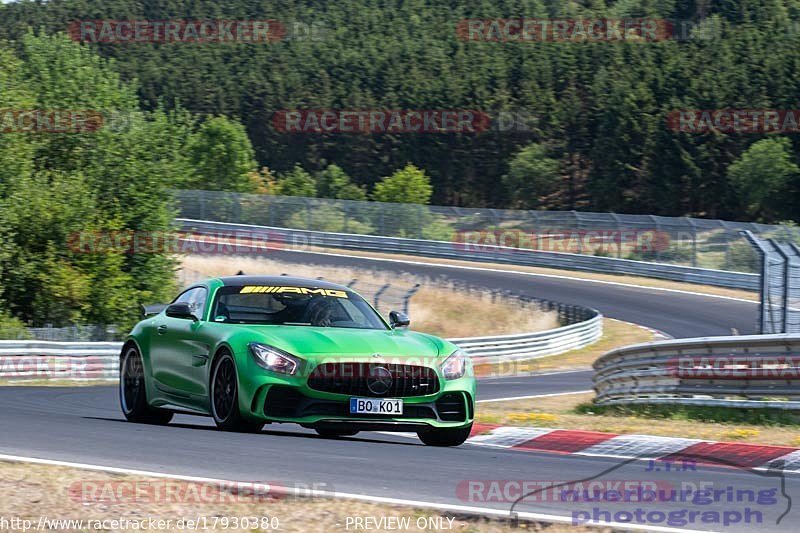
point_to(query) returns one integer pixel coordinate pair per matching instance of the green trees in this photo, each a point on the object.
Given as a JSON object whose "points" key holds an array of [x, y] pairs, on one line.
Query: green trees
{"points": [[333, 182], [408, 185], [766, 178], [297, 182], [600, 108], [532, 176], [69, 200], [222, 157], [411, 188]]}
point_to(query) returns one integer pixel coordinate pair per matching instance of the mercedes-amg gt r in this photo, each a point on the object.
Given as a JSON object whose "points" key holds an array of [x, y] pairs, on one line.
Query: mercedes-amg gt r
{"points": [[252, 350]]}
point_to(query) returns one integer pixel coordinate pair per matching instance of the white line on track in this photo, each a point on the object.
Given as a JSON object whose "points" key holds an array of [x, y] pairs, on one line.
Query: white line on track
{"points": [[497, 270], [532, 396], [467, 509]]}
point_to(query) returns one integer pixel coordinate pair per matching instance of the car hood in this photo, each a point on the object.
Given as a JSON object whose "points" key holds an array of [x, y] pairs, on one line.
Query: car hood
{"points": [[355, 343]]}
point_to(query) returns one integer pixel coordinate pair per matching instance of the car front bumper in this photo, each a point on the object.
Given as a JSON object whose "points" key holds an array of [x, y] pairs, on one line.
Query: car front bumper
{"points": [[269, 397], [289, 404]]}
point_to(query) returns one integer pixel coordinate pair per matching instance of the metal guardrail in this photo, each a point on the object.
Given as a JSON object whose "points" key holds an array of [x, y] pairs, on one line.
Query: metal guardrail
{"points": [[741, 371], [534, 345], [303, 239], [779, 287], [45, 360]]}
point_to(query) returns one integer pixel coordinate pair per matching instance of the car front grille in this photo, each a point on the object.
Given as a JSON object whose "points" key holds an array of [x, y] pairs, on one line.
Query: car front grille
{"points": [[288, 402], [359, 379]]}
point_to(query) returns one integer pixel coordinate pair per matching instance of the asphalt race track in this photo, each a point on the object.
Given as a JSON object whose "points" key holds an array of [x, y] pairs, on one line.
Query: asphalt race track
{"points": [[84, 425], [491, 388], [675, 313]]}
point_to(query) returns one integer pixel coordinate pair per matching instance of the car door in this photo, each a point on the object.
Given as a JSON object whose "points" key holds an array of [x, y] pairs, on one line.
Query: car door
{"points": [[180, 349]]}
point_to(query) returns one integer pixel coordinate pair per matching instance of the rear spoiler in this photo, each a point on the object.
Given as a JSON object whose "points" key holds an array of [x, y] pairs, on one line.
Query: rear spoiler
{"points": [[152, 309]]}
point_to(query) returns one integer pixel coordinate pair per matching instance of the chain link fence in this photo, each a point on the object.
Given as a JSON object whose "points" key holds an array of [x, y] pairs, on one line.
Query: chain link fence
{"points": [[74, 333], [705, 243]]}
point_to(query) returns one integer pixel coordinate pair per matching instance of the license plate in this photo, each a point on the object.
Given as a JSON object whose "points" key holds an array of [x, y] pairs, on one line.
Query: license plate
{"points": [[376, 406]]}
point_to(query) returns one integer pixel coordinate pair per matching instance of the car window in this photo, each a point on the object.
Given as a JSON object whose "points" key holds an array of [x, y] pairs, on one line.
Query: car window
{"points": [[196, 299], [294, 306]]}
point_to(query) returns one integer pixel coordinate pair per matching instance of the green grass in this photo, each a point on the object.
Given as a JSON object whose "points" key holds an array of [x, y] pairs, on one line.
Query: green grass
{"points": [[754, 417]]}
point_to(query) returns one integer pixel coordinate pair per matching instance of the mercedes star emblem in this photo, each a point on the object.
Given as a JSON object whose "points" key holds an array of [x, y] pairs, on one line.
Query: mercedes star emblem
{"points": [[379, 380]]}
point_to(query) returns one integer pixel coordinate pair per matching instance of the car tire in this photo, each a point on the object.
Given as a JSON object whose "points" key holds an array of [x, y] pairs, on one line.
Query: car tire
{"points": [[224, 397], [334, 433], [445, 436], [133, 393]]}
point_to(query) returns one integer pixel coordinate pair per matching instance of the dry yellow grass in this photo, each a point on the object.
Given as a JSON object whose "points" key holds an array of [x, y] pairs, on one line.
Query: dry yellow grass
{"points": [[33, 491], [433, 310], [450, 314], [558, 412]]}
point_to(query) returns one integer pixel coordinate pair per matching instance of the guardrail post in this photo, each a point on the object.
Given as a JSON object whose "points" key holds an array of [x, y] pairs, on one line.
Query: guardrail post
{"points": [[658, 229], [237, 209], [762, 287], [727, 245], [270, 207], [787, 272], [793, 326], [578, 230], [694, 240], [618, 237]]}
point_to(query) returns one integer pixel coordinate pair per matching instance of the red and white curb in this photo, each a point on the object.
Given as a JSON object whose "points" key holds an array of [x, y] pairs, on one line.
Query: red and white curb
{"points": [[644, 447]]}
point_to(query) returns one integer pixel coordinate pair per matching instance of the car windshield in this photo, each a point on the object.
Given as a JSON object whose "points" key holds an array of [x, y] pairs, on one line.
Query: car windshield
{"points": [[294, 306]]}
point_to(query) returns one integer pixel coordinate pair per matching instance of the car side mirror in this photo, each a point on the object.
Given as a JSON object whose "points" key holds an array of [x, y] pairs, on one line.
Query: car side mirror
{"points": [[181, 310], [398, 319], [152, 309]]}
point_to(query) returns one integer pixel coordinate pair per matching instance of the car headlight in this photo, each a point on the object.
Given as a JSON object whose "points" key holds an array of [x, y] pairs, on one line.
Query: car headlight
{"points": [[455, 366], [274, 359]]}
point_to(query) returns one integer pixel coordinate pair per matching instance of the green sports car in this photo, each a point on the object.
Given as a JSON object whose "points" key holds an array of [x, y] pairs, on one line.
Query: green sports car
{"points": [[253, 350]]}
